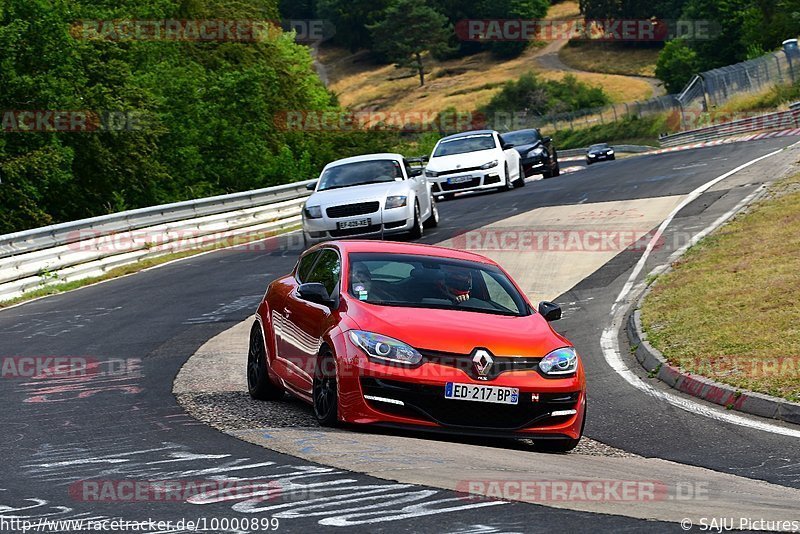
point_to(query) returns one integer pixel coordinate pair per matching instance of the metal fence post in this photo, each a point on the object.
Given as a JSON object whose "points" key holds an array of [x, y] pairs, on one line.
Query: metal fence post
{"points": [[705, 94]]}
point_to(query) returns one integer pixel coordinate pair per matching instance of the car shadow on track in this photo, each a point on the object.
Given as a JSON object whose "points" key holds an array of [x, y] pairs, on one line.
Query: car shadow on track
{"points": [[235, 411]]}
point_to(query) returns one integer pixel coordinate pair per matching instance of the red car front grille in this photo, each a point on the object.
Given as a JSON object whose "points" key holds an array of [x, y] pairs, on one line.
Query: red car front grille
{"points": [[428, 402], [464, 362]]}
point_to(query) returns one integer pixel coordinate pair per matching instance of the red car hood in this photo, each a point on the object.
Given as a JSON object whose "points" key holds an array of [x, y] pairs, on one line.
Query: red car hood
{"points": [[459, 331]]}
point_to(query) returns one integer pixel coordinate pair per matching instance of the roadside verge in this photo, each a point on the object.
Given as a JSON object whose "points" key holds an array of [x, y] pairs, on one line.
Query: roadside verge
{"points": [[698, 386], [726, 273]]}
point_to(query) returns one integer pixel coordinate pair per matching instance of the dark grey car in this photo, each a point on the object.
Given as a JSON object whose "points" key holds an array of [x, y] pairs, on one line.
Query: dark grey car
{"points": [[599, 152]]}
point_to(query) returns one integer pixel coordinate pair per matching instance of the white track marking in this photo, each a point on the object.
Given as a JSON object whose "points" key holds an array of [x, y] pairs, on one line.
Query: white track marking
{"points": [[610, 338], [686, 201]]}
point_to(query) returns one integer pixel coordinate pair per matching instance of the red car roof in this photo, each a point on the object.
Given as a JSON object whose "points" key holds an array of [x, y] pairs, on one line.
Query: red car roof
{"points": [[394, 247]]}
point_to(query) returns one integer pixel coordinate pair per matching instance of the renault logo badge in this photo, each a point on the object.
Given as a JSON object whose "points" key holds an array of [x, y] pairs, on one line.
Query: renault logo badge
{"points": [[483, 363]]}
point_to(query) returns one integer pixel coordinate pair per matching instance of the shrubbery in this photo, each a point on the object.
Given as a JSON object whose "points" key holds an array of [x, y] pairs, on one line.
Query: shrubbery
{"points": [[534, 96]]}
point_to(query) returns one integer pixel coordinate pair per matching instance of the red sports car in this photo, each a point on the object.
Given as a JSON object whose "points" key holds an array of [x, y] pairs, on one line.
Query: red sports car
{"points": [[410, 335]]}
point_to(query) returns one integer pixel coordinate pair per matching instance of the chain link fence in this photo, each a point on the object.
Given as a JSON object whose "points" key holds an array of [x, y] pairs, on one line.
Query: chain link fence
{"points": [[713, 88], [705, 92]]}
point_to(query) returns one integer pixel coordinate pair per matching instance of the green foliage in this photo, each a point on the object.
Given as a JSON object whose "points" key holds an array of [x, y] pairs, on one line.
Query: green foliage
{"points": [[510, 9], [351, 19], [631, 9], [738, 30], [534, 96], [206, 111], [676, 65], [630, 129], [423, 30]]}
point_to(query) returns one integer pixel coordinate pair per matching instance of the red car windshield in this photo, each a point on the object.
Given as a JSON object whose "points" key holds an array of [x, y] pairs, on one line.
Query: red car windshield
{"points": [[415, 281]]}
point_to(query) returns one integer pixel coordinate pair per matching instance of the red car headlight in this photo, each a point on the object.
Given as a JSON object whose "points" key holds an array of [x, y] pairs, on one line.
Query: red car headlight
{"points": [[385, 349], [560, 362]]}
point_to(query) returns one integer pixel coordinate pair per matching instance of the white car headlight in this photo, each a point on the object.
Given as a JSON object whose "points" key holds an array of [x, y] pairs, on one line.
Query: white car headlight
{"points": [[313, 212], [489, 165], [385, 349], [431, 174], [560, 362], [396, 202]]}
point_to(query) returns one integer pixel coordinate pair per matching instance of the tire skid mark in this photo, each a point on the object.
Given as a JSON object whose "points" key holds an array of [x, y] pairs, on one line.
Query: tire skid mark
{"points": [[334, 496]]}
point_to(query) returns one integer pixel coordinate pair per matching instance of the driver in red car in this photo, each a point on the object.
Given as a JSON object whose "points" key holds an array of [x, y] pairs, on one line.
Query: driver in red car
{"points": [[456, 284]]}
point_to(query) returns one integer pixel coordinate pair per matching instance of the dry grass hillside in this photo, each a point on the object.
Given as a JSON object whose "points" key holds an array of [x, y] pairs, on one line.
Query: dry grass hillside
{"points": [[464, 83]]}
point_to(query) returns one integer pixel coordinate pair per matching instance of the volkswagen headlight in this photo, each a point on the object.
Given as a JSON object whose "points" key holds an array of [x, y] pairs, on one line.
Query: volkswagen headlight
{"points": [[385, 349], [313, 212], [396, 202], [431, 174], [560, 362], [489, 165]]}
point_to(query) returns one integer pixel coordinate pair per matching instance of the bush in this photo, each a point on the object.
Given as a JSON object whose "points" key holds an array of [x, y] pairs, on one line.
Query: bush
{"points": [[533, 96]]}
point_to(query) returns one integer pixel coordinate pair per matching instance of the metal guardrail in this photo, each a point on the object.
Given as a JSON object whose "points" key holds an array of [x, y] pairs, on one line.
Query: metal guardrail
{"points": [[91, 247], [781, 120]]}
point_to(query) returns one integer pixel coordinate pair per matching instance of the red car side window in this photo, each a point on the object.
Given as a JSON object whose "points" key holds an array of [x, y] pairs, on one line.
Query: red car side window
{"points": [[305, 264], [326, 270]]}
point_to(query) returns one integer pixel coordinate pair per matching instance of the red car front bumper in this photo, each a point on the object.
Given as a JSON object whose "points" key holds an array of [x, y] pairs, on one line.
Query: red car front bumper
{"points": [[414, 397]]}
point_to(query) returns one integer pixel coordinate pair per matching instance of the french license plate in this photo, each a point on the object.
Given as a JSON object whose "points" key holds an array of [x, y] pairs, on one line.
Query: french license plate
{"points": [[459, 179], [479, 393], [360, 223]]}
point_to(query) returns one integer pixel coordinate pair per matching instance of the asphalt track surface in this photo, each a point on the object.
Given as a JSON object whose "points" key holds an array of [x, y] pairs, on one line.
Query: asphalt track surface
{"points": [[127, 425]]}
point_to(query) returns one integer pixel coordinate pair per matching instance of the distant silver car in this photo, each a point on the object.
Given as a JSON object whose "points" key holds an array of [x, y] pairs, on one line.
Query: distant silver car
{"points": [[370, 195]]}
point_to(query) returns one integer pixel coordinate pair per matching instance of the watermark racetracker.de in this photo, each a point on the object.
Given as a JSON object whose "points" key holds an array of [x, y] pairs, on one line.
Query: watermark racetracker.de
{"points": [[590, 490], [620, 30], [202, 30], [44, 120]]}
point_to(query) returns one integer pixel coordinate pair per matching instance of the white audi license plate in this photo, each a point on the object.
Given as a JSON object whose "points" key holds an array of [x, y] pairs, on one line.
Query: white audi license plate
{"points": [[479, 393], [459, 179], [360, 223]]}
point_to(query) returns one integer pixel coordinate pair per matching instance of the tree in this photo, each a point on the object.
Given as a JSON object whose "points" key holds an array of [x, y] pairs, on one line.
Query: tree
{"points": [[350, 19], [408, 29], [676, 65], [207, 112]]}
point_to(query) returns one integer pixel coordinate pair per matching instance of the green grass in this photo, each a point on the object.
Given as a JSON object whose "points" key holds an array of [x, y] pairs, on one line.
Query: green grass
{"points": [[630, 130], [53, 288], [729, 309]]}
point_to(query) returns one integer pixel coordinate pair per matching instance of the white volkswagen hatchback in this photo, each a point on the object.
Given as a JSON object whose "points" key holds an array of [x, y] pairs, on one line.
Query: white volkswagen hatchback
{"points": [[473, 161], [370, 195]]}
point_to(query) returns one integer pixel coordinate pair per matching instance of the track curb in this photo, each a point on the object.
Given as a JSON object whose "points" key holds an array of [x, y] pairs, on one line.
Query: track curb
{"points": [[654, 362]]}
